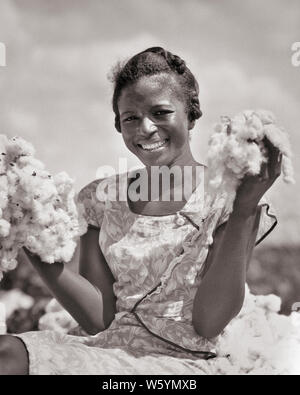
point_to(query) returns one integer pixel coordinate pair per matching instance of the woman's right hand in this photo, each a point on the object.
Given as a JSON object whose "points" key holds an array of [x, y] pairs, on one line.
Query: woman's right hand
{"points": [[252, 188]]}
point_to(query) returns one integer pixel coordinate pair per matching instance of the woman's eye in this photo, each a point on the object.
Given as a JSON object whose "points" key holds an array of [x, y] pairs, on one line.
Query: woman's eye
{"points": [[129, 119], [163, 112]]}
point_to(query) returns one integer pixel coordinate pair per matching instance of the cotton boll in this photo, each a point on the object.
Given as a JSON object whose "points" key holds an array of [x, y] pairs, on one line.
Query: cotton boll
{"points": [[16, 216], [280, 324], [8, 262], [266, 117], [63, 183], [18, 146], [67, 251], [254, 160], [263, 371], [37, 189], [42, 218], [255, 123], [224, 366], [3, 183], [59, 321], [3, 200], [284, 358], [269, 302], [219, 128], [238, 123], [12, 180], [236, 149], [278, 138], [270, 343], [250, 133], [287, 170], [30, 164], [53, 306], [4, 228]]}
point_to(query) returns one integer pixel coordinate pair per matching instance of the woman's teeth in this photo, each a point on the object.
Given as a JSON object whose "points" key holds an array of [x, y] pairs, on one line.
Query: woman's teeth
{"points": [[152, 147]]}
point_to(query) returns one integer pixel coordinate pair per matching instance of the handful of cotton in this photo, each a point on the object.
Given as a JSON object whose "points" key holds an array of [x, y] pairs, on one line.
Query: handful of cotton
{"points": [[37, 211], [236, 149]]}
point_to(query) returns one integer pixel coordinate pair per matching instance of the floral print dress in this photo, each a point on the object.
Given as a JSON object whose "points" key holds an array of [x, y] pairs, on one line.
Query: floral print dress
{"points": [[158, 263]]}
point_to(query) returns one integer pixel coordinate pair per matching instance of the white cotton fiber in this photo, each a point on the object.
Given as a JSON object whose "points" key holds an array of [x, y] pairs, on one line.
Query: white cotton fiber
{"points": [[236, 149], [37, 210]]}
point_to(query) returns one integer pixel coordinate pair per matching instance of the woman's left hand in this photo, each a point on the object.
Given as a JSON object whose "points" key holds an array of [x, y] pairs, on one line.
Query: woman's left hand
{"points": [[252, 188]]}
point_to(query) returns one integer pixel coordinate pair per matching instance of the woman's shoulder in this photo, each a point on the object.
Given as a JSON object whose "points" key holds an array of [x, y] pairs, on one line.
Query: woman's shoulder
{"points": [[92, 202], [105, 188], [89, 189]]}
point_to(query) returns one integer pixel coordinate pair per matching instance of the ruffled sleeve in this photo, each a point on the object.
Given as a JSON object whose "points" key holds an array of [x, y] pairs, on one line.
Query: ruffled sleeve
{"points": [[93, 207], [267, 222]]}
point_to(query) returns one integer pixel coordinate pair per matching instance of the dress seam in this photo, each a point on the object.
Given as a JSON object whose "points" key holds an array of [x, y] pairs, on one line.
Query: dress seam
{"points": [[207, 354]]}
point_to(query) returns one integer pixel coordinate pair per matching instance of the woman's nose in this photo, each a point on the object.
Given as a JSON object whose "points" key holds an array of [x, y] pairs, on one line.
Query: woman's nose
{"points": [[147, 126]]}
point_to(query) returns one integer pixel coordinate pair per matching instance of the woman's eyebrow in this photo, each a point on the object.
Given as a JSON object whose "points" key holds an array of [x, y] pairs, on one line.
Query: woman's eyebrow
{"points": [[161, 105], [126, 112]]}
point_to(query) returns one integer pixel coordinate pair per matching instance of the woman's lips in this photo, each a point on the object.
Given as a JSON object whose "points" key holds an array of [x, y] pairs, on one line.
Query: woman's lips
{"points": [[154, 146]]}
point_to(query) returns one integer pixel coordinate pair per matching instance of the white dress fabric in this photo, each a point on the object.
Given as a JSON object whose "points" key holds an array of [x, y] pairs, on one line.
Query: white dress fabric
{"points": [[158, 263]]}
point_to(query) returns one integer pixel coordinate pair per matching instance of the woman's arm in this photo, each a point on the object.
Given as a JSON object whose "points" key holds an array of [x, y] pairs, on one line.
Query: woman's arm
{"points": [[220, 295], [98, 274], [83, 298]]}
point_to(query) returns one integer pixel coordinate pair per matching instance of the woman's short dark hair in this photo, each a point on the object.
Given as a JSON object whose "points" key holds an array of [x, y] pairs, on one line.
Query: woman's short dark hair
{"points": [[152, 61]]}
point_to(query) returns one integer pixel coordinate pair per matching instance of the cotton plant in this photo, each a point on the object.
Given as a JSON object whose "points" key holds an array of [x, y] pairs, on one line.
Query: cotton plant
{"points": [[237, 148], [37, 210]]}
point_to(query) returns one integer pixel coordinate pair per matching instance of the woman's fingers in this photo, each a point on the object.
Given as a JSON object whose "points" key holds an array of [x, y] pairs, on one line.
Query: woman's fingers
{"points": [[274, 160]]}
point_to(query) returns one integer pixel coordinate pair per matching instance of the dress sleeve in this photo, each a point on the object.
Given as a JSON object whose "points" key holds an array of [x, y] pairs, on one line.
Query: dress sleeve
{"points": [[93, 207], [268, 219]]}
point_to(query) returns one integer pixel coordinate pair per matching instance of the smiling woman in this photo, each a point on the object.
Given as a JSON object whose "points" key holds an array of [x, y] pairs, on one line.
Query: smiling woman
{"points": [[156, 105], [159, 280]]}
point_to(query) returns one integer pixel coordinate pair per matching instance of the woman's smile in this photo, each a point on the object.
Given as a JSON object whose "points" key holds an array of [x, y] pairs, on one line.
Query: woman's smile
{"points": [[155, 146]]}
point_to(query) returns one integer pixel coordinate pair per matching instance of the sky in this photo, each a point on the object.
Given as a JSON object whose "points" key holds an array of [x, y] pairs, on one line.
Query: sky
{"points": [[55, 90]]}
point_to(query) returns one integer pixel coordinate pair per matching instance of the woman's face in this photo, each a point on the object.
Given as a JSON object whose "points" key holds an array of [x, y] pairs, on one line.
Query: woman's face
{"points": [[154, 122]]}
